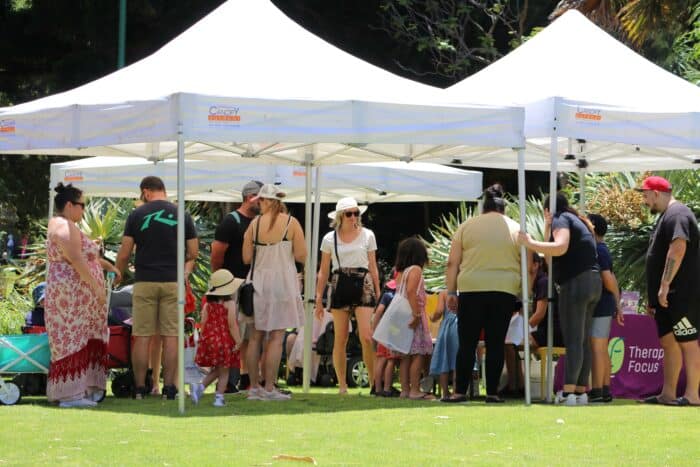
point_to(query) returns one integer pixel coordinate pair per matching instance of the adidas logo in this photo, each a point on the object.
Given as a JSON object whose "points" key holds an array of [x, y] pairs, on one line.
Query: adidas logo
{"points": [[684, 328]]}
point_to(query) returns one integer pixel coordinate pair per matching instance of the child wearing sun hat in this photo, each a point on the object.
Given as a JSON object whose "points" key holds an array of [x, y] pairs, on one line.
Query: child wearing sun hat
{"points": [[220, 338]]}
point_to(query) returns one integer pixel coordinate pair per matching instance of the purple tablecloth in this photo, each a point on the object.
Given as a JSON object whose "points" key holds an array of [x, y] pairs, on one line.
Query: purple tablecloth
{"points": [[636, 357]]}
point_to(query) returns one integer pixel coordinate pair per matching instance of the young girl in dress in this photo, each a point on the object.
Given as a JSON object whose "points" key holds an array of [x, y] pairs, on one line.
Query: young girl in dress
{"points": [[218, 344], [411, 256], [444, 360]]}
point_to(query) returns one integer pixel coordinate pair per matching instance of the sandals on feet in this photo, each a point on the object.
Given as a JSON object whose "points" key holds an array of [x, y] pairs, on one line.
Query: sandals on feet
{"points": [[426, 396], [454, 399], [655, 400]]}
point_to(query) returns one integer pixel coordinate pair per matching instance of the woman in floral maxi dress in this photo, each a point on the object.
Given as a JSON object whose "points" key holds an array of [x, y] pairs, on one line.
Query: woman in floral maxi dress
{"points": [[76, 313]]}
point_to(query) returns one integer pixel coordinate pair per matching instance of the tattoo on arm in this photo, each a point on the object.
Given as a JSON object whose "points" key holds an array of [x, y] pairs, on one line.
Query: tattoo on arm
{"points": [[668, 270]]}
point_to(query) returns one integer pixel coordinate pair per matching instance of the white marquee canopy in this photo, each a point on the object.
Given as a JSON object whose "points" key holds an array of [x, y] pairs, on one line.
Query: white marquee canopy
{"points": [[373, 182], [247, 82], [602, 102]]}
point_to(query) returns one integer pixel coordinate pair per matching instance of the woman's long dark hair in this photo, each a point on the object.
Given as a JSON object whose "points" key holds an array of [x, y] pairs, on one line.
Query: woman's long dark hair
{"points": [[562, 205], [411, 252], [494, 199], [65, 193]]}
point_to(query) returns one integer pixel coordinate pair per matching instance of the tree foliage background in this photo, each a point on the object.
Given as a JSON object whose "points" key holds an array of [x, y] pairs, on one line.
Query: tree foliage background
{"points": [[49, 46]]}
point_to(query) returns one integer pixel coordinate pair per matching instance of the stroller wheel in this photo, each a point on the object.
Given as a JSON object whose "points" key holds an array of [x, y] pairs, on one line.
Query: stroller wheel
{"points": [[9, 393], [325, 380], [122, 385], [357, 373]]}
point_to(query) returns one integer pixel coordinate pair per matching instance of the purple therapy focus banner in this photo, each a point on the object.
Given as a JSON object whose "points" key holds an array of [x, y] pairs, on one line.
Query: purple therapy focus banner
{"points": [[636, 360]]}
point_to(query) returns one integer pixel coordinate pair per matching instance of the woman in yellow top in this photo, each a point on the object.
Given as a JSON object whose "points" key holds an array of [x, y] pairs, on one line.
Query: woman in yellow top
{"points": [[484, 267]]}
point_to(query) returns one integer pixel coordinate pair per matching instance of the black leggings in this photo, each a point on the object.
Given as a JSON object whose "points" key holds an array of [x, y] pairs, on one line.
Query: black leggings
{"points": [[578, 298], [490, 311]]}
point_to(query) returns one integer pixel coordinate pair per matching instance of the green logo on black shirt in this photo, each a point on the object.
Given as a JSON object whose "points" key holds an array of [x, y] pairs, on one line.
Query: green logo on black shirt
{"points": [[156, 216]]}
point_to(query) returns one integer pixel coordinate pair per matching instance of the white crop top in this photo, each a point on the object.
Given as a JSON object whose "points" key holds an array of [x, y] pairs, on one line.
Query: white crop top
{"points": [[353, 254]]}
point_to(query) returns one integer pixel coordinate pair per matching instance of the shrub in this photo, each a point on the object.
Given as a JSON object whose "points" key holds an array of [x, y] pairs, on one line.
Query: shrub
{"points": [[13, 309]]}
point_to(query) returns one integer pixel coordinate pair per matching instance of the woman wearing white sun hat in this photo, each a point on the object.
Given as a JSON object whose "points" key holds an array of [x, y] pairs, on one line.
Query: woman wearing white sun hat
{"points": [[349, 248], [277, 241]]}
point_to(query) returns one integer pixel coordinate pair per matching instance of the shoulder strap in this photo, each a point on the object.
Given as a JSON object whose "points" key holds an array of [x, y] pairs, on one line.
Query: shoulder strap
{"points": [[255, 245], [236, 216], [335, 244], [401, 289], [286, 228]]}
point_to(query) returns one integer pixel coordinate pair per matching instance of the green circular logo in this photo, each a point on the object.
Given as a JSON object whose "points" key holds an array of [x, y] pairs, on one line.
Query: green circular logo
{"points": [[616, 350]]}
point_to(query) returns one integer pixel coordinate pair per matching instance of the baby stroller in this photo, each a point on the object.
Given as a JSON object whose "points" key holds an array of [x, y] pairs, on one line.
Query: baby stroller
{"points": [[356, 369], [119, 346]]}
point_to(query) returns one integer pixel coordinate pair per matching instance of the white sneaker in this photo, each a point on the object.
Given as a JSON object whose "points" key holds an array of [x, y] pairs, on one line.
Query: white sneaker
{"points": [[582, 399], [219, 401], [196, 392], [569, 400], [256, 394], [96, 396], [80, 403], [275, 395]]}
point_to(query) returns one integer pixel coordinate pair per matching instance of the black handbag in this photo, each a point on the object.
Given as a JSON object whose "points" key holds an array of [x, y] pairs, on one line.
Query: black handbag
{"points": [[349, 285], [246, 292]]}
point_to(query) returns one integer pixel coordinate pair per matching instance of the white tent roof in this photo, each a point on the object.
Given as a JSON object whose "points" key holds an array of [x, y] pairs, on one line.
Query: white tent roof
{"points": [[212, 181], [576, 78], [246, 81]]}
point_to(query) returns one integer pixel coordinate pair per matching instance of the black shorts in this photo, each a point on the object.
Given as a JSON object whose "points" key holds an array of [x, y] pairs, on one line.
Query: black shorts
{"points": [[680, 318], [367, 298]]}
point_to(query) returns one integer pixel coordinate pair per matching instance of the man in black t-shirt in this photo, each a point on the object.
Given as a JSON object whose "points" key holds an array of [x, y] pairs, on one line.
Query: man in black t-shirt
{"points": [[152, 229], [226, 252], [226, 249], [672, 267]]}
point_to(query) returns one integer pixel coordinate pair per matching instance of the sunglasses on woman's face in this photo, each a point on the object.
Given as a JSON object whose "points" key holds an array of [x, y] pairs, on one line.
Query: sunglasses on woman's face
{"points": [[78, 203], [352, 213]]}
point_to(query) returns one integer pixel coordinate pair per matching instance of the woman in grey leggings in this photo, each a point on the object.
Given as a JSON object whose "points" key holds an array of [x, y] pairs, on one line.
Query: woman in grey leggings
{"points": [[575, 271]]}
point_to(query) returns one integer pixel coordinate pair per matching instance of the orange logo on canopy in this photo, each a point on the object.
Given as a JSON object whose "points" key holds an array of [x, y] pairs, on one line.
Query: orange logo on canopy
{"points": [[7, 126], [583, 113], [221, 113]]}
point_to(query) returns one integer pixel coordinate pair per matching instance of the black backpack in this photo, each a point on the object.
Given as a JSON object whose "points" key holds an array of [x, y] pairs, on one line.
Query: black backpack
{"points": [[324, 343]]}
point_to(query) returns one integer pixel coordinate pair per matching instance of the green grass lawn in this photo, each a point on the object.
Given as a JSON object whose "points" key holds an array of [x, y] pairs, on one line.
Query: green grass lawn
{"points": [[353, 430]]}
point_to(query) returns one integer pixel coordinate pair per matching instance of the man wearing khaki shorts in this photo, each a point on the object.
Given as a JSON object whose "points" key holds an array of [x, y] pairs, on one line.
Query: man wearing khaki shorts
{"points": [[152, 229]]}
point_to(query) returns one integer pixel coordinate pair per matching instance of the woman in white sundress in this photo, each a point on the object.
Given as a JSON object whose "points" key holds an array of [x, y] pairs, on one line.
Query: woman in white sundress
{"points": [[272, 244]]}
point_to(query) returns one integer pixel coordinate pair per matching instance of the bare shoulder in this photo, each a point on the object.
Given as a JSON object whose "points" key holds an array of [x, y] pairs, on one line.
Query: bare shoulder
{"points": [[295, 225], [58, 227], [415, 273]]}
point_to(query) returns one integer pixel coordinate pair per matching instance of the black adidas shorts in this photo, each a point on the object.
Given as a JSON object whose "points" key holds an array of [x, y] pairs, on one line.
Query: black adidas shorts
{"points": [[680, 318]]}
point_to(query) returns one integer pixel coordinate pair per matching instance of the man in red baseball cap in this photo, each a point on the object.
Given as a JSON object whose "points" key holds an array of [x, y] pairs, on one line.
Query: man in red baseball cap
{"points": [[673, 271], [655, 183]]}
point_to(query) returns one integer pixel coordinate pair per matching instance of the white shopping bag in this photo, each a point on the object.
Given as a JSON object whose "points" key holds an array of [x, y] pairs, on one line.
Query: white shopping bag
{"points": [[393, 330], [193, 374]]}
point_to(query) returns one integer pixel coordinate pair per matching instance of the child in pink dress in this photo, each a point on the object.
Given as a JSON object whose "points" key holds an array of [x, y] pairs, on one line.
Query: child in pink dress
{"points": [[218, 345], [411, 256]]}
